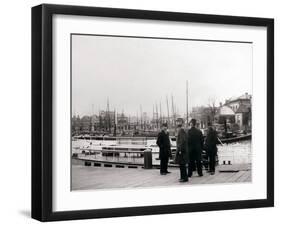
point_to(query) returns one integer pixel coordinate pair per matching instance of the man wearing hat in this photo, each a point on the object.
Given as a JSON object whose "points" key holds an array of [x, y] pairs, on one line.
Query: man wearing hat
{"points": [[163, 141], [195, 141], [181, 153], [211, 147]]}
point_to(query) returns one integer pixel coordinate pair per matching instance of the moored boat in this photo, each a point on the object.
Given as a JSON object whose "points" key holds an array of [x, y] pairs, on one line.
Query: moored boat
{"points": [[236, 139]]}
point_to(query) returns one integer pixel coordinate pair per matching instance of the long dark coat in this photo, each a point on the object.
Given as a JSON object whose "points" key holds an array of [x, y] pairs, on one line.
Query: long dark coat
{"points": [[163, 141], [195, 141], [211, 142], [182, 151]]}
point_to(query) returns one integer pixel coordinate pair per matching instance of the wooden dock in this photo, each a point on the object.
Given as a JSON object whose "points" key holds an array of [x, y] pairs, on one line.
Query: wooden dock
{"points": [[91, 177]]}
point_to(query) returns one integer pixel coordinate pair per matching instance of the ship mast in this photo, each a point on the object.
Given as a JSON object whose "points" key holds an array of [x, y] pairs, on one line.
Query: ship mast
{"points": [[92, 124], [115, 122], [168, 110], [141, 117], [156, 116], [173, 112], [187, 102], [108, 117], [153, 122], [160, 109]]}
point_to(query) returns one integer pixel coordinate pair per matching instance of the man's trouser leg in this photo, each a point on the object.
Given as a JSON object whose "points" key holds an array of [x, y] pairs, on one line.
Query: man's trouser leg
{"points": [[212, 162], [183, 171], [199, 167], [190, 167], [163, 165]]}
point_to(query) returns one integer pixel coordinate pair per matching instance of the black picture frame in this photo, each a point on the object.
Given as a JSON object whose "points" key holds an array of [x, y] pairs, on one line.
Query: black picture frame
{"points": [[42, 107]]}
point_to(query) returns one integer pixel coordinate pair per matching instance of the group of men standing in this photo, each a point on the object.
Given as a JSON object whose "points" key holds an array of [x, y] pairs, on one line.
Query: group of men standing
{"points": [[189, 144]]}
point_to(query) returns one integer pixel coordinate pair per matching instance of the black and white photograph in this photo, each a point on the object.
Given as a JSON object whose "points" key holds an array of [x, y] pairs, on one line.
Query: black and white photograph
{"points": [[135, 113], [159, 112], [145, 112]]}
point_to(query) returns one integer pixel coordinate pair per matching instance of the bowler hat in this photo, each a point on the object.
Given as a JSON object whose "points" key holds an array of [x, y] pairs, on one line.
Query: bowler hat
{"points": [[193, 121], [164, 124]]}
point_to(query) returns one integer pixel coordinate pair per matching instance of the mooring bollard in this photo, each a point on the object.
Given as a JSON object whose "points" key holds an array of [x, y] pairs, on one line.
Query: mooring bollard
{"points": [[147, 154], [87, 163]]}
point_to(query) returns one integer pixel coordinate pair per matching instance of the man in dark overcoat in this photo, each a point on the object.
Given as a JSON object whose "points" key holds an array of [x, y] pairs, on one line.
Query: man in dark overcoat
{"points": [[195, 141], [182, 152], [211, 148], [163, 141]]}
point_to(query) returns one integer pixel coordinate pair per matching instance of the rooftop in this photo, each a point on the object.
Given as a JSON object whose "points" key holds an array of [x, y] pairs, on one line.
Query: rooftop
{"points": [[245, 96]]}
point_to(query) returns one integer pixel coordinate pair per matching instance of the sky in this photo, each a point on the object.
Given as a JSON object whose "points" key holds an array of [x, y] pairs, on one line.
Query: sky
{"points": [[138, 73]]}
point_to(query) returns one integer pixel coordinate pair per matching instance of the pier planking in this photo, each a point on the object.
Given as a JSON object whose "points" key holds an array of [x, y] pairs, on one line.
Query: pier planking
{"points": [[90, 177]]}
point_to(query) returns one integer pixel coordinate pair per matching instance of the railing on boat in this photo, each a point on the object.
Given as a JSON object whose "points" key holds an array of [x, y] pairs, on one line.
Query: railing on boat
{"points": [[134, 155]]}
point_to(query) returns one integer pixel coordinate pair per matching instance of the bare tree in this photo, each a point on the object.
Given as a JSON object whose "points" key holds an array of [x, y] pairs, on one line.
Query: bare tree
{"points": [[212, 108]]}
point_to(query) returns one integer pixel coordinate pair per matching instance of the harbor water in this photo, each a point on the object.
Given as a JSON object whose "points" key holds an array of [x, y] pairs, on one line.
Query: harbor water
{"points": [[234, 153]]}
